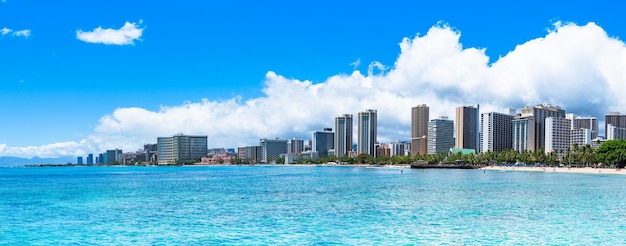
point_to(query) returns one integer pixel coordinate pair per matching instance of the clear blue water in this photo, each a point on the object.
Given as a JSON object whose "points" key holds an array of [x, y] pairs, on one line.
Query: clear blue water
{"points": [[308, 205]]}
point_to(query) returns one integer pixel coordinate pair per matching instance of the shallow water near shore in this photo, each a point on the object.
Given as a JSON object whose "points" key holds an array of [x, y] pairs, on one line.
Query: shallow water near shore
{"points": [[305, 205]]}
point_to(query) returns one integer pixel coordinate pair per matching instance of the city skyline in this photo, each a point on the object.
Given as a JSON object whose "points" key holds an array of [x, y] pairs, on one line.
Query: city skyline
{"points": [[105, 78]]}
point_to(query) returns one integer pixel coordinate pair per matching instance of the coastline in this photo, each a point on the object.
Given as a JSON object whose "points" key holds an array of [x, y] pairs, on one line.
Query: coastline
{"points": [[226, 165], [582, 170]]}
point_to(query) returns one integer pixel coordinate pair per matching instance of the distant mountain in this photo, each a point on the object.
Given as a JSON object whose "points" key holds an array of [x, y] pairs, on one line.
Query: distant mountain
{"points": [[9, 161]]}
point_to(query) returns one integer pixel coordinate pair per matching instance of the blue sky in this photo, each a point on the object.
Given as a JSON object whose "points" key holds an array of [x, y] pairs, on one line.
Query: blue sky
{"points": [[217, 55]]}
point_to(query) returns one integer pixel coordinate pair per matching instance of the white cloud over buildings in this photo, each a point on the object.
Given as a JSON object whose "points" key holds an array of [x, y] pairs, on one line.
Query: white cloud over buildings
{"points": [[579, 68], [125, 35]]}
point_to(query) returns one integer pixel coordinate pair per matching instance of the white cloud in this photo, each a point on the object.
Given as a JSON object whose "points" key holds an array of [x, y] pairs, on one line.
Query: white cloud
{"points": [[22, 33], [123, 36], [5, 31], [579, 68], [356, 64]]}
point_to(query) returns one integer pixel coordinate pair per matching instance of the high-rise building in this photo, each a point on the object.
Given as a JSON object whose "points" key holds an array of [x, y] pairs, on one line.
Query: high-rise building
{"points": [[524, 133], [90, 159], [400, 148], [467, 127], [540, 113], [113, 156], [440, 135], [250, 153], [613, 132], [496, 132], [419, 129], [343, 135], [581, 137], [79, 160], [323, 141], [616, 120], [558, 135], [590, 123], [295, 146], [367, 130], [181, 147], [271, 149]]}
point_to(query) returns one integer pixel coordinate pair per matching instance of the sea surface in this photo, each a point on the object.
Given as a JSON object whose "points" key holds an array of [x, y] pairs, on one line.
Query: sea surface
{"points": [[281, 205]]}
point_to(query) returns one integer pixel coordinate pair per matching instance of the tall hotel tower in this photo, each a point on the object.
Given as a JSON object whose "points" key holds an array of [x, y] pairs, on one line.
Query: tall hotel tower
{"points": [[557, 135], [343, 135], [496, 131], [419, 129], [540, 113], [440, 137], [366, 138], [614, 119], [467, 127]]}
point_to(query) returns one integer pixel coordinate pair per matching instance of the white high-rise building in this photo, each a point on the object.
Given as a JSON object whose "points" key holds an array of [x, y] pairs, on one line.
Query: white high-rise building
{"points": [[557, 133], [540, 113], [440, 135], [579, 122], [496, 132], [581, 137], [295, 146], [524, 133], [271, 149], [181, 147], [367, 131], [400, 148], [343, 135], [614, 132]]}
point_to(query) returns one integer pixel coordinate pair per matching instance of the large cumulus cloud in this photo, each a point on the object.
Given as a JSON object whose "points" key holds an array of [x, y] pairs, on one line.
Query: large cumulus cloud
{"points": [[577, 67]]}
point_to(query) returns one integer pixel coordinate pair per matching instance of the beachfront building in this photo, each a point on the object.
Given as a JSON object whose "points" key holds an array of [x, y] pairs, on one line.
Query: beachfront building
{"points": [[343, 135], [323, 141], [250, 153], [614, 132], [271, 149], [540, 113], [581, 137], [558, 134], [467, 127], [615, 119], [113, 156], [400, 148], [367, 130], [419, 129], [180, 147], [295, 146], [579, 122], [440, 135], [524, 133], [496, 131]]}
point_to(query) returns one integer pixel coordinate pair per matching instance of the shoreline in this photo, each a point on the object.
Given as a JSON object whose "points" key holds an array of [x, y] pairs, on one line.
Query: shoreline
{"points": [[223, 165], [582, 170]]}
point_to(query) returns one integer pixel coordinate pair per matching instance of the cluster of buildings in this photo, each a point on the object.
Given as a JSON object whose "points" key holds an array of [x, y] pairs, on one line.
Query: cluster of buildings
{"points": [[541, 127]]}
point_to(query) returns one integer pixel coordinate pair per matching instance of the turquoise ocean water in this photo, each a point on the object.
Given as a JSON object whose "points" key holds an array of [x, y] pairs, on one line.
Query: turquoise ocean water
{"points": [[307, 205]]}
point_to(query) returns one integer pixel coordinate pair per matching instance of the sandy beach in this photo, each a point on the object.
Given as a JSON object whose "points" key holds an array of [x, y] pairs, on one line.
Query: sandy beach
{"points": [[587, 170]]}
